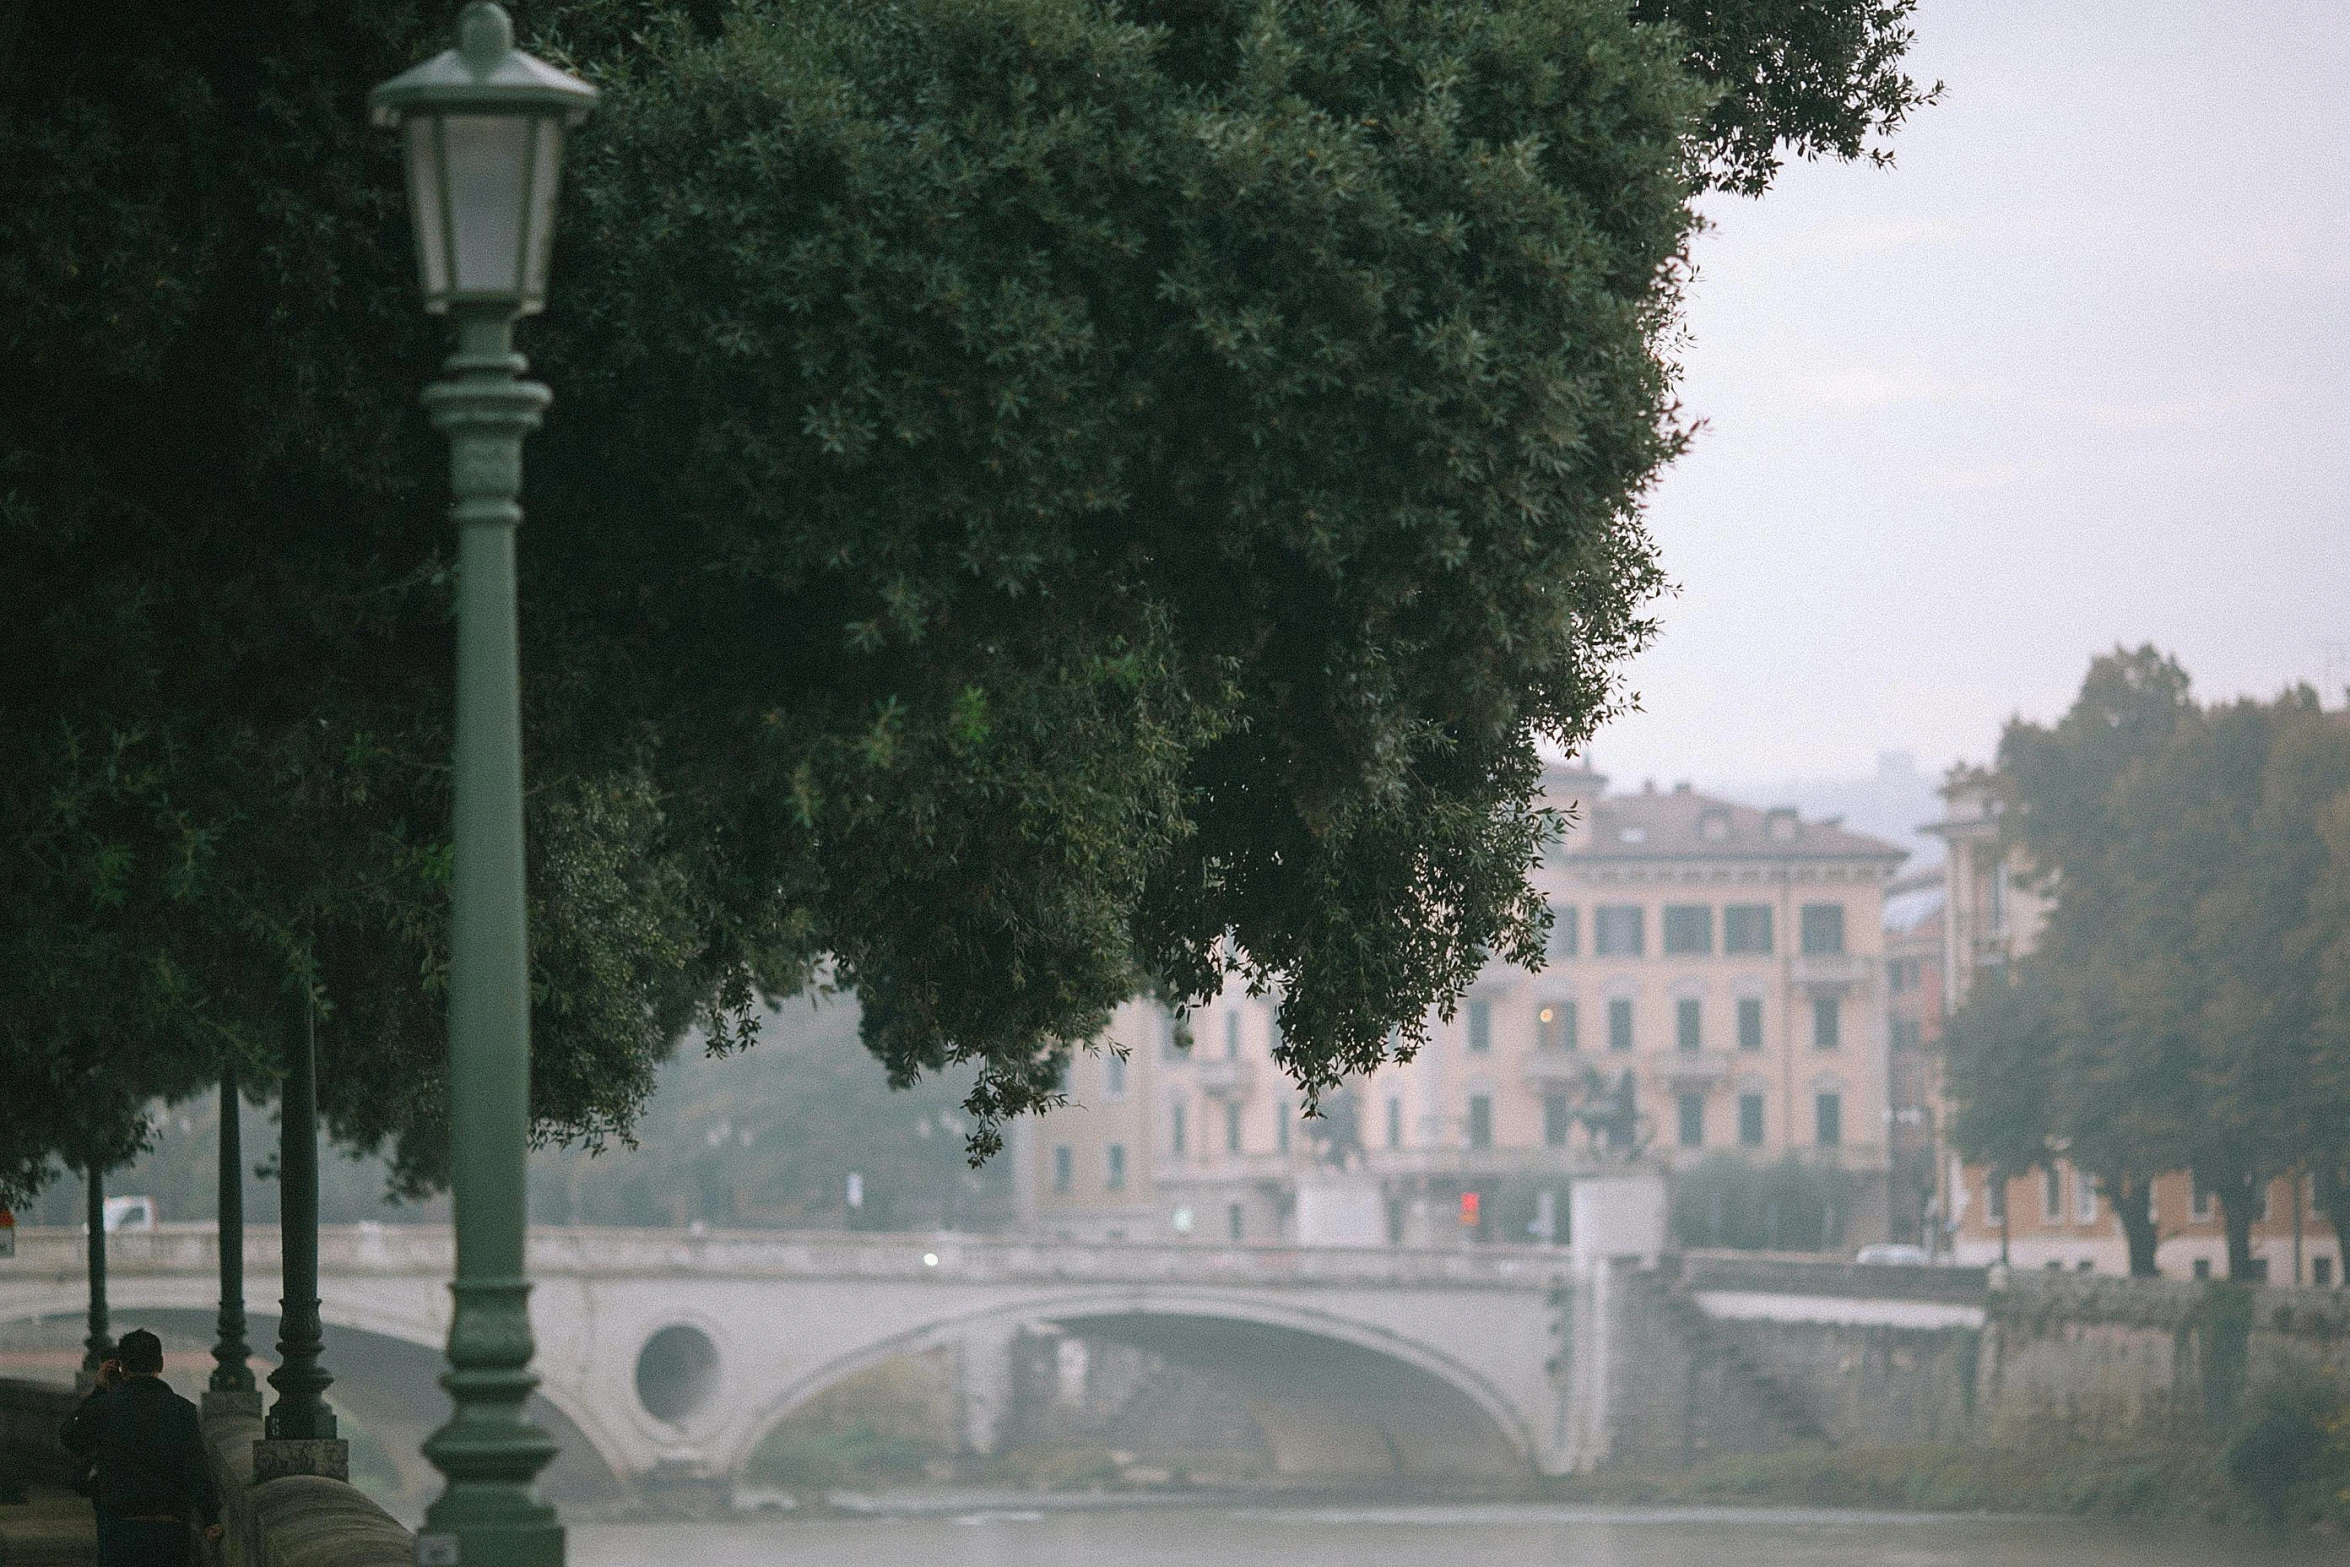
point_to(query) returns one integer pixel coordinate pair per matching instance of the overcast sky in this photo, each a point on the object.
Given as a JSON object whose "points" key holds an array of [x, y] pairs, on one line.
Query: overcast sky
{"points": [[2072, 373]]}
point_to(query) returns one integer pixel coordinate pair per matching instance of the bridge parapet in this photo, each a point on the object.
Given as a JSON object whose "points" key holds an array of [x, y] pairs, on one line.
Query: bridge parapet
{"points": [[1776, 1274], [595, 1252]]}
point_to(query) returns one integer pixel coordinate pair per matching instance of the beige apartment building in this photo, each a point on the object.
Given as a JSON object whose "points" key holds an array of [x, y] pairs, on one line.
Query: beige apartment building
{"points": [[1715, 985]]}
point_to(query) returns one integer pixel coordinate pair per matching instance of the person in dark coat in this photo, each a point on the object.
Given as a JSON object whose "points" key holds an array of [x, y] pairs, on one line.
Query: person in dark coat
{"points": [[146, 1452]]}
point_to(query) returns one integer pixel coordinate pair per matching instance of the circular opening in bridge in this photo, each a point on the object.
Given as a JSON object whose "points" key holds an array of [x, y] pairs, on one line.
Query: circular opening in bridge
{"points": [[676, 1372]]}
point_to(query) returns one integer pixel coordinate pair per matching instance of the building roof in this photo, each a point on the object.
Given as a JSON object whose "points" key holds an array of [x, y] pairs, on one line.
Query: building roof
{"points": [[1914, 902], [1682, 824]]}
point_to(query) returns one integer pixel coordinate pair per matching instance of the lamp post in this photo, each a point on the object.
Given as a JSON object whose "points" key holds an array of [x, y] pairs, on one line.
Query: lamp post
{"points": [[481, 128]]}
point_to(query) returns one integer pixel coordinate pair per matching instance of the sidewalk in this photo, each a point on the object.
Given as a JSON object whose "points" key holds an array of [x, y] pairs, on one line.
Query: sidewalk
{"points": [[52, 1529]]}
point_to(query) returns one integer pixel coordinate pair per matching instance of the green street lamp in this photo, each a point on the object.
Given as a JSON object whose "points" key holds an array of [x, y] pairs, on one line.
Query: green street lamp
{"points": [[482, 130]]}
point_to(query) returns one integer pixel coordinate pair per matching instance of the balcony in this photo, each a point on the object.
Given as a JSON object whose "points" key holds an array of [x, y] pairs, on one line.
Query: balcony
{"points": [[1832, 970], [1556, 1068], [1700, 1069], [1222, 1077]]}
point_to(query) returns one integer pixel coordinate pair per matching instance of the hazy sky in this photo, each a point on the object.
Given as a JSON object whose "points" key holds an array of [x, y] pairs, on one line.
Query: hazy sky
{"points": [[2071, 373]]}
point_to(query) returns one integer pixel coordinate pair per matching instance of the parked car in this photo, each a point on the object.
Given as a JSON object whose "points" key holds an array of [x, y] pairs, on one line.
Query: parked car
{"points": [[130, 1213], [1893, 1254]]}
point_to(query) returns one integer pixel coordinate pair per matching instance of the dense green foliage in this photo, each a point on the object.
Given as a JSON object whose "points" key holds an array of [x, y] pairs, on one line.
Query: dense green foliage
{"points": [[1789, 1206], [1044, 498], [2183, 1009], [761, 1139]]}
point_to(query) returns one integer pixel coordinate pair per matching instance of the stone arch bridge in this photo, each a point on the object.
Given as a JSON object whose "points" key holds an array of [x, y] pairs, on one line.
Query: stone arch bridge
{"points": [[673, 1354]]}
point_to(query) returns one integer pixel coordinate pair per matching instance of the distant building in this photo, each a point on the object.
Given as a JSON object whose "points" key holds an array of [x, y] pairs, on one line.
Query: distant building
{"points": [[2054, 1217], [1716, 984], [1916, 914]]}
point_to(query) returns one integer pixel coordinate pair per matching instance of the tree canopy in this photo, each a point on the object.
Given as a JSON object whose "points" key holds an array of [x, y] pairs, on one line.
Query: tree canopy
{"points": [[1044, 499], [2177, 1013]]}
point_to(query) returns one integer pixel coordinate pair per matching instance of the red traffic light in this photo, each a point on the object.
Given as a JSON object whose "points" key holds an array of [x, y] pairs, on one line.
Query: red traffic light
{"points": [[1470, 1203]]}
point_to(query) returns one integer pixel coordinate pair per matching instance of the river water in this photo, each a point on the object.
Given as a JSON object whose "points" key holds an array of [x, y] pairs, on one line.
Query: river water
{"points": [[1471, 1536]]}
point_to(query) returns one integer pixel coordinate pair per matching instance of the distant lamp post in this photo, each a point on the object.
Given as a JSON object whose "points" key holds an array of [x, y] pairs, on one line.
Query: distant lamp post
{"points": [[482, 131]]}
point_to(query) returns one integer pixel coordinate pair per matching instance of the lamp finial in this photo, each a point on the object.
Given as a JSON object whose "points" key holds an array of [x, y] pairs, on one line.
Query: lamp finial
{"points": [[485, 34]]}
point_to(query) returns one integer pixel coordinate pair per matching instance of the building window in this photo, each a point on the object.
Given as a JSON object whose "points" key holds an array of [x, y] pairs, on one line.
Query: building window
{"points": [[2205, 1210], [1555, 1120], [1905, 1033], [1823, 929], [2084, 1197], [1176, 1042], [1689, 928], [1480, 1026], [1619, 1023], [1280, 1128], [1688, 1023], [1893, 981], [1565, 934], [1692, 1108], [2051, 1197], [1232, 1126], [1750, 1120], [2321, 1271], [1480, 1120], [1827, 1022], [1233, 1222], [1395, 1123], [1064, 1167], [1828, 1109], [1554, 1026], [1750, 1022], [1117, 1181], [1232, 1036], [1618, 930], [1995, 1196], [1114, 1075], [1746, 928], [1175, 1125]]}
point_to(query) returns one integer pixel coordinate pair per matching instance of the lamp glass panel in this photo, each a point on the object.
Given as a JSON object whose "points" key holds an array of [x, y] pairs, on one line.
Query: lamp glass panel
{"points": [[546, 168], [425, 211], [486, 161]]}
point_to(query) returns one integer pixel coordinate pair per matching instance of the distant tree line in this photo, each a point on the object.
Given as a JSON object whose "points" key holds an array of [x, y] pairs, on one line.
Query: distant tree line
{"points": [[765, 1139], [2187, 1007]]}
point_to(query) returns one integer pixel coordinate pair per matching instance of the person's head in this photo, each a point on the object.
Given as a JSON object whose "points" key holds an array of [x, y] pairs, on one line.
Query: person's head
{"points": [[140, 1352]]}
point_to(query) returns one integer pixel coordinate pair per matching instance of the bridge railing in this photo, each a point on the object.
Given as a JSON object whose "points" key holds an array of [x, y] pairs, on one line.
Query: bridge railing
{"points": [[591, 1251]]}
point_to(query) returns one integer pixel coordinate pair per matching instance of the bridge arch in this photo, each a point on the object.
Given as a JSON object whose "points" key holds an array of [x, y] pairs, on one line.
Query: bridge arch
{"points": [[1331, 1382], [385, 1360]]}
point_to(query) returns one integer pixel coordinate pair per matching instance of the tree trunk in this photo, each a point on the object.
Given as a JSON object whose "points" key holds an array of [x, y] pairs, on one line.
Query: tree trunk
{"points": [[2333, 1200], [2238, 1201], [2131, 1206]]}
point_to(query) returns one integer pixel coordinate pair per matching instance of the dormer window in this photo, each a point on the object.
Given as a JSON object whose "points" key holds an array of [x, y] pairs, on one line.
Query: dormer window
{"points": [[1779, 824], [1714, 826]]}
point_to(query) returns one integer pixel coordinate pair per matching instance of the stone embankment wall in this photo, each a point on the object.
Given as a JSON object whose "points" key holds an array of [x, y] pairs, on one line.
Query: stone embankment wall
{"points": [[2077, 1357], [30, 1413], [1744, 1354], [297, 1521]]}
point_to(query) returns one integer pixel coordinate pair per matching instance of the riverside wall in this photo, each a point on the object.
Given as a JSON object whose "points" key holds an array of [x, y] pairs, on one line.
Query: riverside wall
{"points": [[296, 1521], [1727, 1354]]}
